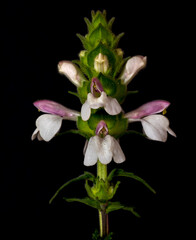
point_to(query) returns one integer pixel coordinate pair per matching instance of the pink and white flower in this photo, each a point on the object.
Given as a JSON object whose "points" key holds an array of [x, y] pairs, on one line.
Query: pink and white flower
{"points": [[155, 126], [102, 147], [97, 99], [48, 125]]}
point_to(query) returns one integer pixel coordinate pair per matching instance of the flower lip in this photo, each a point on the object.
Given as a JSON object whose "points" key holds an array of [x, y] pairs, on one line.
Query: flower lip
{"points": [[147, 109], [102, 129], [96, 87], [55, 108]]}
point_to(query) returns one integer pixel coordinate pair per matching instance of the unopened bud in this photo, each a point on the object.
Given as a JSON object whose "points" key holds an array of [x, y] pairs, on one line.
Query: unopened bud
{"points": [[101, 63]]}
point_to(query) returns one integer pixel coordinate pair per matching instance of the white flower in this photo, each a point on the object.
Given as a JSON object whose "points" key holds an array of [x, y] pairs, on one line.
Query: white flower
{"points": [[72, 72], [132, 67], [103, 149]]}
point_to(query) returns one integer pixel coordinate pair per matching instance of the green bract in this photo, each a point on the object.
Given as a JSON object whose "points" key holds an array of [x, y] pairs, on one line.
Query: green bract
{"points": [[117, 125], [101, 40]]}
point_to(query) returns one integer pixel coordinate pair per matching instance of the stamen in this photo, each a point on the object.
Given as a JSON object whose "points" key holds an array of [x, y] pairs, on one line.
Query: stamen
{"points": [[164, 111]]}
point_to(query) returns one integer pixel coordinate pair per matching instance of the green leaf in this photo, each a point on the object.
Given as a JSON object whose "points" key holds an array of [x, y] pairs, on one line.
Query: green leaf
{"points": [[84, 176], [121, 173], [114, 206], [88, 201]]}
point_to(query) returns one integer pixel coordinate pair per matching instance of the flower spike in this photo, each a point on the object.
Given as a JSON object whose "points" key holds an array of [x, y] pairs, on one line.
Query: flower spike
{"points": [[101, 76]]}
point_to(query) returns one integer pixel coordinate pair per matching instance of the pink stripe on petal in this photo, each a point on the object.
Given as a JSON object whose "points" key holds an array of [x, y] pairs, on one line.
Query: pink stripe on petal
{"points": [[55, 108], [147, 109]]}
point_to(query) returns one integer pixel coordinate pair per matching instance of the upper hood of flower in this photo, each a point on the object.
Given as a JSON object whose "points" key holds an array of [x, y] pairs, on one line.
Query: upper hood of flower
{"points": [[55, 108], [149, 108]]}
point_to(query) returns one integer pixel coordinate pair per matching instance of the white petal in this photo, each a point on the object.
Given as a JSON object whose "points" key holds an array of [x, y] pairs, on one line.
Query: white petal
{"points": [[91, 157], [39, 137], [96, 103], [132, 67], [48, 125], [85, 111], [34, 135], [105, 149], [156, 127], [112, 106], [118, 154], [171, 132], [85, 147], [71, 71]]}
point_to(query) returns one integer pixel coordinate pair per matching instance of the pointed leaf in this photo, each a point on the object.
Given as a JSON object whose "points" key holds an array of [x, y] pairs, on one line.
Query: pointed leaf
{"points": [[84, 176], [86, 200], [83, 40], [88, 23], [131, 209], [121, 173], [114, 206], [74, 93]]}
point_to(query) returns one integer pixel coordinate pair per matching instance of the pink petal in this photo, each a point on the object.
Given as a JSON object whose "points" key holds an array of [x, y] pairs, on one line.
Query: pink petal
{"points": [[96, 87], [100, 126], [148, 109], [55, 108]]}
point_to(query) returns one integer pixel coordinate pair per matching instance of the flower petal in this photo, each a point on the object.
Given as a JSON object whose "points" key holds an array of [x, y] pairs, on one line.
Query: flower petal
{"points": [[149, 108], [105, 150], [71, 71], [48, 125], [91, 157], [132, 67], [118, 154], [34, 135], [156, 127], [95, 102], [55, 108], [112, 106], [85, 111], [96, 87]]}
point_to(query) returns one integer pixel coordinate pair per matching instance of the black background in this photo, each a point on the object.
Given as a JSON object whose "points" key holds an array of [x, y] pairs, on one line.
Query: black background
{"points": [[36, 36]]}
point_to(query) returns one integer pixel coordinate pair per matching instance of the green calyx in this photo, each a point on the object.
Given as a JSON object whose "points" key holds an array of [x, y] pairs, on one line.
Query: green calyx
{"points": [[117, 124], [101, 190]]}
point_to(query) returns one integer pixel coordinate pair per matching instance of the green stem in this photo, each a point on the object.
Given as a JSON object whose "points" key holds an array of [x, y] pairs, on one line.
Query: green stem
{"points": [[101, 170], [103, 216]]}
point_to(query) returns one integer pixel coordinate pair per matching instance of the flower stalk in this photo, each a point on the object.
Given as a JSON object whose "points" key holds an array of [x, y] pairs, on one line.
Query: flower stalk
{"points": [[103, 216]]}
